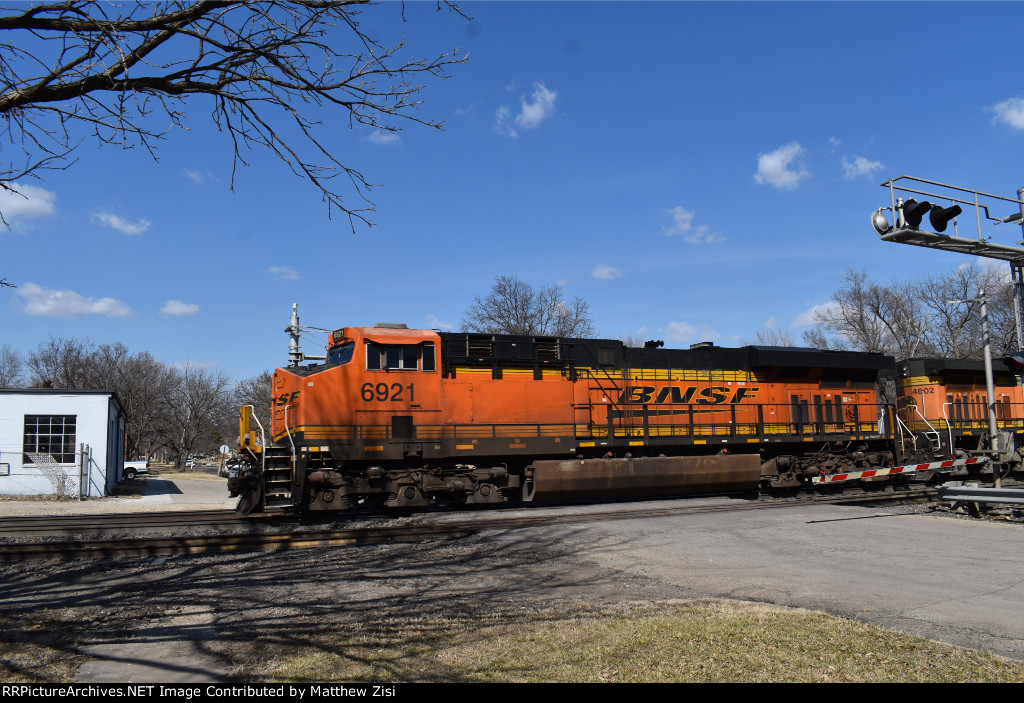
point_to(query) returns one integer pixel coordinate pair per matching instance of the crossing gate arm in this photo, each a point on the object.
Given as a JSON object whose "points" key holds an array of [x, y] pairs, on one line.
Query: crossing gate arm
{"points": [[907, 470]]}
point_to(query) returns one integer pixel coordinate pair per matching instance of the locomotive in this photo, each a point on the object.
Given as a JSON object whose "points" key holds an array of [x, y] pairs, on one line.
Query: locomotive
{"points": [[944, 404], [405, 418]]}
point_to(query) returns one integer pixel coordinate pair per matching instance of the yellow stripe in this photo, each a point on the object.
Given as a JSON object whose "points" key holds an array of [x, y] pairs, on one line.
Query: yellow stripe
{"points": [[464, 446], [920, 381], [378, 448]]}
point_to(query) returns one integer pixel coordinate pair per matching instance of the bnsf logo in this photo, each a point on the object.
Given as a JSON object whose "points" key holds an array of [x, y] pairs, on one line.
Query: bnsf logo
{"points": [[286, 398], [683, 395]]}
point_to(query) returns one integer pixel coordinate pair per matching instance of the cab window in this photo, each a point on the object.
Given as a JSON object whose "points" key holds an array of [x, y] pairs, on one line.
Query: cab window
{"points": [[400, 357], [341, 354]]}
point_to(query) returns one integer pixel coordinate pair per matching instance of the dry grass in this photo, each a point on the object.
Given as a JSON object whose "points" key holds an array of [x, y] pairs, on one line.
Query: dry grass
{"points": [[39, 651], [718, 641], [701, 642]]}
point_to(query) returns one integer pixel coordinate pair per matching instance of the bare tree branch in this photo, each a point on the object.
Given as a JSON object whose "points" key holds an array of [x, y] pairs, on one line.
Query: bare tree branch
{"points": [[84, 69], [915, 318], [513, 306]]}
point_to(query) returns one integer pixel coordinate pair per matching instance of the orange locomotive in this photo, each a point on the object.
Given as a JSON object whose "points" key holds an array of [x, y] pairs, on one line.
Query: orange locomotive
{"points": [[944, 406], [404, 418]]}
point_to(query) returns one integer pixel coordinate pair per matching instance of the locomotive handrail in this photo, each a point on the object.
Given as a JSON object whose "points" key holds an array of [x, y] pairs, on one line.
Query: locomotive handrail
{"points": [[263, 434], [930, 427], [289, 433], [696, 422], [949, 426], [263, 440], [904, 426]]}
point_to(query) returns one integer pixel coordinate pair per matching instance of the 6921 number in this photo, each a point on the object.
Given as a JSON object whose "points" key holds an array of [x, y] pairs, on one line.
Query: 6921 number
{"points": [[382, 392]]}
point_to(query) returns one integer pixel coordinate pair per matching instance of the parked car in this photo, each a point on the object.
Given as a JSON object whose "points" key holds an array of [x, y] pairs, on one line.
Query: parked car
{"points": [[230, 468], [134, 469]]}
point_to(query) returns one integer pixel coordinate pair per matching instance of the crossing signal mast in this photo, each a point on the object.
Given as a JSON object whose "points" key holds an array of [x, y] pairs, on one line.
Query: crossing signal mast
{"points": [[944, 203]]}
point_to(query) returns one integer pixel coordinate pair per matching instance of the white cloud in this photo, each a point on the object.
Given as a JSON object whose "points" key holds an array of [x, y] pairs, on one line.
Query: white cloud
{"points": [[685, 333], [809, 318], [703, 234], [859, 167], [543, 105], [284, 273], [383, 136], [29, 201], [531, 113], [682, 220], [199, 177], [436, 324], [122, 225], [774, 168], [682, 223], [50, 302], [176, 308], [1011, 112], [502, 124], [605, 273]]}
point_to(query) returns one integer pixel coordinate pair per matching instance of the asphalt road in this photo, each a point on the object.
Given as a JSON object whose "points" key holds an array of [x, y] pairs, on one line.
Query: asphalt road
{"points": [[958, 581]]}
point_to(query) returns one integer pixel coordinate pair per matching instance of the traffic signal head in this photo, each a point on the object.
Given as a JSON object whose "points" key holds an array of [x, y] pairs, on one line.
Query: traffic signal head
{"points": [[913, 212], [940, 216]]}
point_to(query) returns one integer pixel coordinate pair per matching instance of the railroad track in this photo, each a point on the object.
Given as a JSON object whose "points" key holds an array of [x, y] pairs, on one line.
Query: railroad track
{"points": [[112, 523], [290, 538]]}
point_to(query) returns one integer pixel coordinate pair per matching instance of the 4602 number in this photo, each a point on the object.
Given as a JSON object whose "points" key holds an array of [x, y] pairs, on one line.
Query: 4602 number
{"points": [[382, 392]]}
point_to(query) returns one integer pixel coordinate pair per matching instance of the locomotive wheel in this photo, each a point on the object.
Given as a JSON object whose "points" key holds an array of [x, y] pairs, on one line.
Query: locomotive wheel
{"points": [[251, 500]]}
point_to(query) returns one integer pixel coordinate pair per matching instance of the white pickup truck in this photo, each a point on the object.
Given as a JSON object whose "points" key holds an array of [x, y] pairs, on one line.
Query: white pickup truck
{"points": [[133, 469]]}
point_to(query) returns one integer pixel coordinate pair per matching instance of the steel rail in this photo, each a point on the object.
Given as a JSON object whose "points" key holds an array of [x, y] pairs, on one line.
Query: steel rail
{"points": [[169, 546]]}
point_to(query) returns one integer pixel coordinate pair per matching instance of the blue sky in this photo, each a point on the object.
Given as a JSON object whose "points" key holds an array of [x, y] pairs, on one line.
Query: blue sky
{"points": [[694, 170]]}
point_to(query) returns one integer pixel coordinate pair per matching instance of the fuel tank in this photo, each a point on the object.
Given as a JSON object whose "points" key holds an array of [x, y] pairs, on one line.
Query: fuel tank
{"points": [[641, 477]]}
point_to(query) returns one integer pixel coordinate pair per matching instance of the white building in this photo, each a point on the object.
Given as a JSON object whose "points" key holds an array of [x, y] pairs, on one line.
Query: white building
{"points": [[68, 443]]}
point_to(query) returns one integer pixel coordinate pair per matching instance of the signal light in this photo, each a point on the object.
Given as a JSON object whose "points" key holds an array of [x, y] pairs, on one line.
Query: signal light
{"points": [[913, 212], [940, 216]]}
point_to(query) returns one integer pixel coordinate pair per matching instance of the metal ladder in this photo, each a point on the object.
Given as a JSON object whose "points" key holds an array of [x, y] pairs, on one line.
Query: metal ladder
{"points": [[277, 478]]}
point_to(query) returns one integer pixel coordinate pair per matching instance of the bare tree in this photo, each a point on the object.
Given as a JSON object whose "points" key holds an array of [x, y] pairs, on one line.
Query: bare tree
{"points": [[256, 391], [513, 306], [870, 317], [772, 336], [916, 318], [60, 362], [633, 340], [193, 410], [120, 73], [140, 382], [11, 366]]}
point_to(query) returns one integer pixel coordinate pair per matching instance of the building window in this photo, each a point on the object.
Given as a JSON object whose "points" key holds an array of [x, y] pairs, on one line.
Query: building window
{"points": [[53, 435]]}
